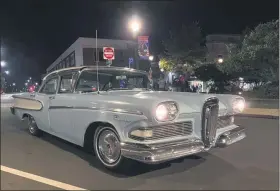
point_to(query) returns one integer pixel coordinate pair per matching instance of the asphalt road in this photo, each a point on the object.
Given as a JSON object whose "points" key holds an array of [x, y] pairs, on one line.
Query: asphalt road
{"points": [[249, 164]]}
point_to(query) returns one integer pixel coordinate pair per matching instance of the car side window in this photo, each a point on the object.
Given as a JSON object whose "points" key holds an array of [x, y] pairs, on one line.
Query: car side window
{"points": [[66, 83], [50, 86]]}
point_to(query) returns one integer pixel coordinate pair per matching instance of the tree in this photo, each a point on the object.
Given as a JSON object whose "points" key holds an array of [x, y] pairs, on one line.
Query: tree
{"points": [[257, 59], [211, 72], [183, 48]]}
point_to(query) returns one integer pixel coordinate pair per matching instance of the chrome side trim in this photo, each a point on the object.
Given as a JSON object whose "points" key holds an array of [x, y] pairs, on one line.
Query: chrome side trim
{"points": [[115, 110], [60, 107], [158, 153]]}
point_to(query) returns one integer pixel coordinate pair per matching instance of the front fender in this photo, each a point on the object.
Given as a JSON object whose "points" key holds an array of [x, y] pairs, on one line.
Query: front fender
{"points": [[120, 121]]}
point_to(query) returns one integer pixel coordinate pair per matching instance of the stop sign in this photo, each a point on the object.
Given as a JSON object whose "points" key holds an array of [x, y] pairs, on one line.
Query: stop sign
{"points": [[108, 53]]}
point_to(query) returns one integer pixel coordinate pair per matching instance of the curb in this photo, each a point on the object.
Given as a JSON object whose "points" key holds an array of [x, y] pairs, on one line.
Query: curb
{"points": [[260, 113], [258, 116]]}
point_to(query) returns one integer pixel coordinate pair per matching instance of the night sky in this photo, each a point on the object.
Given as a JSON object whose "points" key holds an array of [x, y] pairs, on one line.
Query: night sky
{"points": [[34, 33]]}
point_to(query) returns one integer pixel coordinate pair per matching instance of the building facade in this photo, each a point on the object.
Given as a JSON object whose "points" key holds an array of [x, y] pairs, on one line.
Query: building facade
{"points": [[83, 53], [218, 46]]}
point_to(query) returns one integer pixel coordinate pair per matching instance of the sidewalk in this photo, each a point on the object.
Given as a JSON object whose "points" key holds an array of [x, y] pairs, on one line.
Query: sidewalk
{"points": [[262, 108]]}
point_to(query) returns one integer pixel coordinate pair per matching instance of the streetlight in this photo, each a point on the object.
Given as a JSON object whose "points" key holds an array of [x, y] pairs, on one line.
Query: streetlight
{"points": [[7, 72], [36, 84], [14, 84], [30, 78], [26, 84], [151, 58], [3, 63], [220, 60], [135, 25]]}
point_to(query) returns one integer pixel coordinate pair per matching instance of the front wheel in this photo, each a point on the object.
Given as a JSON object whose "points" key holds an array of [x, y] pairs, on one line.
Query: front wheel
{"points": [[107, 148]]}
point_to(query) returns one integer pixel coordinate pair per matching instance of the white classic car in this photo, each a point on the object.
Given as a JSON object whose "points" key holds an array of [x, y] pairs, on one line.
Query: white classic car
{"points": [[113, 112]]}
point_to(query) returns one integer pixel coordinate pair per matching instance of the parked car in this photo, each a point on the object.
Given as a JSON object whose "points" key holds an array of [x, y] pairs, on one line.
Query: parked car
{"points": [[119, 116]]}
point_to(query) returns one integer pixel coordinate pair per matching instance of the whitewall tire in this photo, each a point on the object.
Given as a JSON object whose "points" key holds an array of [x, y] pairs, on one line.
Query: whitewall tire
{"points": [[107, 148]]}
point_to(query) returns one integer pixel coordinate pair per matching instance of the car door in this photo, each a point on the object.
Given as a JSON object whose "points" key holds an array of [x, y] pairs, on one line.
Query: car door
{"points": [[45, 95], [60, 108]]}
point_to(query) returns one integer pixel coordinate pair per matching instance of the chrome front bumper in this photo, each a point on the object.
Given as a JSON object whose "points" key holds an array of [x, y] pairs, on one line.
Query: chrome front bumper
{"points": [[158, 153]]}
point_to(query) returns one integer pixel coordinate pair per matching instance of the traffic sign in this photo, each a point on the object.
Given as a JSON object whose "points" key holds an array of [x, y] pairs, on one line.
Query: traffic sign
{"points": [[108, 53]]}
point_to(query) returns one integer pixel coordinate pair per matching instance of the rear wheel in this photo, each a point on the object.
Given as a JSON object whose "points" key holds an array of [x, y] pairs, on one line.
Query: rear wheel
{"points": [[32, 126], [107, 148]]}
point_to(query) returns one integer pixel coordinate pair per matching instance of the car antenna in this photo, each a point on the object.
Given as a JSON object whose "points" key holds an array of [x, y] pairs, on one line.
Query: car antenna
{"points": [[97, 59]]}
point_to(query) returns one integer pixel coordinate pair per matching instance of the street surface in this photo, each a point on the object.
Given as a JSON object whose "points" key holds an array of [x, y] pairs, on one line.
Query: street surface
{"points": [[252, 163]]}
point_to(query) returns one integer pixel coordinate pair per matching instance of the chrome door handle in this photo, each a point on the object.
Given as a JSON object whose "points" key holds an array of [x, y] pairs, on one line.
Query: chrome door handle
{"points": [[51, 97]]}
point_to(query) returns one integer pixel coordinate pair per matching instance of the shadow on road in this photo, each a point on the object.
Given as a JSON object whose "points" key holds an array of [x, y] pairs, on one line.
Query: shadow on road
{"points": [[139, 169]]}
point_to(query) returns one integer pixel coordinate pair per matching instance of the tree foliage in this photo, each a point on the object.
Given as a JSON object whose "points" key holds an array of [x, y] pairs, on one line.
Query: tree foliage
{"points": [[257, 59], [183, 48], [211, 72]]}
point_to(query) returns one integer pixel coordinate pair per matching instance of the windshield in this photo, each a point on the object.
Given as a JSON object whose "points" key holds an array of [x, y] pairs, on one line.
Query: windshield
{"points": [[112, 80]]}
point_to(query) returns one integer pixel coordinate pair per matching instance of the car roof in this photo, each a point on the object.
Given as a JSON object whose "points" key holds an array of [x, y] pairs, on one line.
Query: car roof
{"points": [[81, 68]]}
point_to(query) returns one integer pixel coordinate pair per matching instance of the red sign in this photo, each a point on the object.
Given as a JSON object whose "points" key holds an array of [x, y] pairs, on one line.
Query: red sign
{"points": [[108, 53], [143, 47]]}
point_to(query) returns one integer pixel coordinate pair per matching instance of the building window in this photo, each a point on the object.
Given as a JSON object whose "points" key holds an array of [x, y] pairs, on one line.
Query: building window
{"points": [[72, 59]]}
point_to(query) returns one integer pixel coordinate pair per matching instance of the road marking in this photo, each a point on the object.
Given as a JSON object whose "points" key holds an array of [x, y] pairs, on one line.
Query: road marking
{"points": [[40, 179]]}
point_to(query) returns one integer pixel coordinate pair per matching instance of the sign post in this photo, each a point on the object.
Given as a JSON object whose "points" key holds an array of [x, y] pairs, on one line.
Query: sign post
{"points": [[108, 55], [130, 61]]}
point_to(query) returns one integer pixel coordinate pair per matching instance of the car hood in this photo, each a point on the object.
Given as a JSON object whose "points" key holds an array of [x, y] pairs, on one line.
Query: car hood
{"points": [[188, 102]]}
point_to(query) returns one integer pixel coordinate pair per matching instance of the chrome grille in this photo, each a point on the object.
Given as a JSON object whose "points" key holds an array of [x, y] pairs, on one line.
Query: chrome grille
{"points": [[209, 121], [172, 130], [224, 121]]}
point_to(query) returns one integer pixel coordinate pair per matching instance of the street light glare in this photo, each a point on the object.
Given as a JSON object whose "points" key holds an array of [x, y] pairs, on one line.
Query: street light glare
{"points": [[135, 25], [7, 72], [3, 63], [151, 58], [220, 60]]}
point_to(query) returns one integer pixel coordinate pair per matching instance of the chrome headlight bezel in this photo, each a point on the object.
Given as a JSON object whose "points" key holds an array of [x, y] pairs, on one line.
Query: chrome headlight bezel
{"points": [[238, 105], [171, 110]]}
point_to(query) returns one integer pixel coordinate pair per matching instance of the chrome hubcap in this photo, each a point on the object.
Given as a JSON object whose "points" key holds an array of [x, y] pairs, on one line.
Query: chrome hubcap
{"points": [[31, 124], [109, 146]]}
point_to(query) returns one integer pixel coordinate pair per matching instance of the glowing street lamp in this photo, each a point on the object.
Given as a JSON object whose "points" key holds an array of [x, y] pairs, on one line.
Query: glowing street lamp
{"points": [[14, 84], [7, 72], [3, 63], [151, 58], [220, 60], [26, 84], [135, 25], [36, 84]]}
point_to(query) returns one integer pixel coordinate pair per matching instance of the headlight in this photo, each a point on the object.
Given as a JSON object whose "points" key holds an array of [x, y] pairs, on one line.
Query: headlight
{"points": [[166, 111], [238, 105]]}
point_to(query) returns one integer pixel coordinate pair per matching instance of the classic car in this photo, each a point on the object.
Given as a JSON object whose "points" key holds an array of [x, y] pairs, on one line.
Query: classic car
{"points": [[114, 112]]}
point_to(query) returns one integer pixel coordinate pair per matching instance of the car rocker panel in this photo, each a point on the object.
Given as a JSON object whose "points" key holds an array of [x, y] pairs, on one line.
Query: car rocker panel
{"points": [[147, 126]]}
